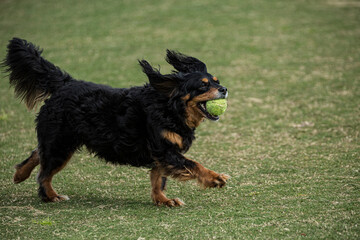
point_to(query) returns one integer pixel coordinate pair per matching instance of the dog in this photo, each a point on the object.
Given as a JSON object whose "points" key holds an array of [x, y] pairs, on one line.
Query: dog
{"points": [[148, 126]]}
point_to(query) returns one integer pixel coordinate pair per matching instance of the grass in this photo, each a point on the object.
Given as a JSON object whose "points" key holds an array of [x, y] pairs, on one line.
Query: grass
{"points": [[289, 139]]}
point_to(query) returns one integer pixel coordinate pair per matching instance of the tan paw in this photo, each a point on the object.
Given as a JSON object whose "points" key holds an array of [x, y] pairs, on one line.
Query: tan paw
{"points": [[176, 202], [59, 198], [214, 180], [20, 175]]}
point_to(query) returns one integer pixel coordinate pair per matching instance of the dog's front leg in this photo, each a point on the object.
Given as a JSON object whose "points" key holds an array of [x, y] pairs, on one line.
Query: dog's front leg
{"points": [[158, 179], [206, 177], [181, 168]]}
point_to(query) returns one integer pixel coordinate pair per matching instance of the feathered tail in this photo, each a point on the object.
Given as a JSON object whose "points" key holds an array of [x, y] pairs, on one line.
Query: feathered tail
{"points": [[33, 77]]}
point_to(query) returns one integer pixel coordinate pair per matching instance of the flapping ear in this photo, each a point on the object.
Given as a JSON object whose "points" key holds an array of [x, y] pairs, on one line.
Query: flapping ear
{"points": [[183, 63], [166, 84]]}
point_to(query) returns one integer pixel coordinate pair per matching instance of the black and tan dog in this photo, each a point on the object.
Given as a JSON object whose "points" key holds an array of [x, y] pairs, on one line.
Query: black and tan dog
{"points": [[151, 126]]}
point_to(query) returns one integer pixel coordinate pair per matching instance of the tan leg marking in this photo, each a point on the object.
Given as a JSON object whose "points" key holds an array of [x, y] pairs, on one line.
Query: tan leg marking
{"points": [[51, 194], [157, 195], [23, 171], [208, 178]]}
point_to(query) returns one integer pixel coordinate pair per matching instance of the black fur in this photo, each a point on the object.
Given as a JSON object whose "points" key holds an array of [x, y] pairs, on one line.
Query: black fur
{"points": [[122, 126], [33, 77]]}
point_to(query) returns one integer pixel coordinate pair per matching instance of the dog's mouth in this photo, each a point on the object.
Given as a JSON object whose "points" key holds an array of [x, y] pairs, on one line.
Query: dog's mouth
{"points": [[202, 107]]}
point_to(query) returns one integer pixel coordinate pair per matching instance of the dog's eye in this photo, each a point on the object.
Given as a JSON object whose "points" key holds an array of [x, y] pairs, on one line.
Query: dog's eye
{"points": [[204, 84], [216, 80]]}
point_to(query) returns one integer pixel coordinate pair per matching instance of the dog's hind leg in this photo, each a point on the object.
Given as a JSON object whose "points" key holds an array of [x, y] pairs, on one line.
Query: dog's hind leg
{"points": [[24, 169], [50, 165], [158, 180]]}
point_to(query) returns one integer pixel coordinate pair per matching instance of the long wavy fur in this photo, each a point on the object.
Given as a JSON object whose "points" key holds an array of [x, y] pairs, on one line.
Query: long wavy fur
{"points": [[33, 77], [146, 126]]}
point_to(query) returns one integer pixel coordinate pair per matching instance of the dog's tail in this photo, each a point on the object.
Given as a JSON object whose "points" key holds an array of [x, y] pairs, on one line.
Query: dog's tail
{"points": [[33, 77]]}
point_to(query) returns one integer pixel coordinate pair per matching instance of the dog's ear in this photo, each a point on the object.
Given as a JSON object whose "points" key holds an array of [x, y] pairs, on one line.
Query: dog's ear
{"points": [[166, 84], [183, 63]]}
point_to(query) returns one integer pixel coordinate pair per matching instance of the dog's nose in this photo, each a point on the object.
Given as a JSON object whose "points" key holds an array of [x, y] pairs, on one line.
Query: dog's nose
{"points": [[223, 90]]}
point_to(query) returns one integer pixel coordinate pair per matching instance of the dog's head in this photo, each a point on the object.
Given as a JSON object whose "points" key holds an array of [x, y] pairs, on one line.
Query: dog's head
{"points": [[191, 83]]}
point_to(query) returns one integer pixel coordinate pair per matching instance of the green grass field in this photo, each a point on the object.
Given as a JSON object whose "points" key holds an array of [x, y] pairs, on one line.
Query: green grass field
{"points": [[289, 139]]}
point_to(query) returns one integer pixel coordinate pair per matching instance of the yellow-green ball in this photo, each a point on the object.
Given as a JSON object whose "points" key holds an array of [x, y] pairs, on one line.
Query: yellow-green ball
{"points": [[216, 107]]}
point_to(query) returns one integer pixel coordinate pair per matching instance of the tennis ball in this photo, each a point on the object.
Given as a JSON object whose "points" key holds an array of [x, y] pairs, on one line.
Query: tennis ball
{"points": [[216, 107]]}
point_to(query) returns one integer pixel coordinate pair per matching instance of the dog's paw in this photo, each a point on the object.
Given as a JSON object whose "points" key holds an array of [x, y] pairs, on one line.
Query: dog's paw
{"points": [[222, 180], [20, 175], [176, 202], [59, 198], [214, 180], [18, 178]]}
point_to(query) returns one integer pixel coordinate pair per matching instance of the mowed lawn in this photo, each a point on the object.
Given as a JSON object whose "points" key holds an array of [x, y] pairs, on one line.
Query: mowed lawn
{"points": [[289, 139]]}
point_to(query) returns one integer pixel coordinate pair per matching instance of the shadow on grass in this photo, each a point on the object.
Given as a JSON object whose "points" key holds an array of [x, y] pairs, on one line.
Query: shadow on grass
{"points": [[78, 202]]}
